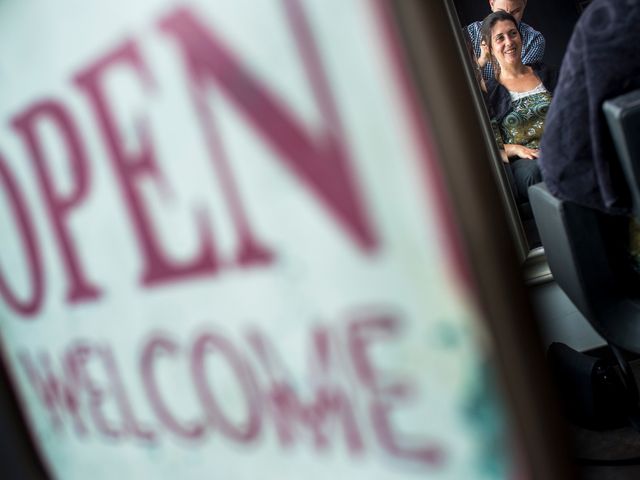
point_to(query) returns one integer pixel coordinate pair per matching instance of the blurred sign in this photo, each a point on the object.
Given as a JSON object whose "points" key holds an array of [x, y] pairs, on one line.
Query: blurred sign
{"points": [[223, 248]]}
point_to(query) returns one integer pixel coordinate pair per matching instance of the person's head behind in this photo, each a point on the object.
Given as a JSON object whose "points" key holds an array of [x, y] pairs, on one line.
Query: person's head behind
{"points": [[499, 31], [514, 7]]}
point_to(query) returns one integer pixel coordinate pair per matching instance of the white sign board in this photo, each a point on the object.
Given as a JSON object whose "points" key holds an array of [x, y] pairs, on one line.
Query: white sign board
{"points": [[225, 249]]}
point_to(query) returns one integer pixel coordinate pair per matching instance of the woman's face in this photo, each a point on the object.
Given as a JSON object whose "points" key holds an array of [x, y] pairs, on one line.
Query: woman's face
{"points": [[506, 44]]}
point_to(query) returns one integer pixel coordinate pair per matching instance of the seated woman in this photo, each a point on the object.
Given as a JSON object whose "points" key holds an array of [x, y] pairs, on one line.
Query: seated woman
{"points": [[518, 99]]}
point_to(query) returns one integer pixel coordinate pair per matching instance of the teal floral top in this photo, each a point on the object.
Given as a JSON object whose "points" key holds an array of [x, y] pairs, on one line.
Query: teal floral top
{"points": [[524, 124]]}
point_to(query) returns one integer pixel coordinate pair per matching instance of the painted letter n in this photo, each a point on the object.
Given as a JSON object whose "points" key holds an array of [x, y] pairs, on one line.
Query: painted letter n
{"points": [[323, 164]]}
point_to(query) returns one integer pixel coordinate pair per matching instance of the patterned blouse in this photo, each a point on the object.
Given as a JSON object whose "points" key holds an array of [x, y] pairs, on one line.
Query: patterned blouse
{"points": [[524, 124]]}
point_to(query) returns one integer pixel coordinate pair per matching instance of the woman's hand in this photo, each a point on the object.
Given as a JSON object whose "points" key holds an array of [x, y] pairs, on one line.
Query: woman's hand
{"points": [[520, 151], [485, 55]]}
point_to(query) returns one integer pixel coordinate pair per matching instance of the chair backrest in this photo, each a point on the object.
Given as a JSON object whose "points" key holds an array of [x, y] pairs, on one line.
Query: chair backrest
{"points": [[586, 249], [586, 254], [623, 117]]}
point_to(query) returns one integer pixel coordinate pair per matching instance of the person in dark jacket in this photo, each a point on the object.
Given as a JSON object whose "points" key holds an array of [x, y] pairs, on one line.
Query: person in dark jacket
{"points": [[578, 159], [518, 98], [602, 61]]}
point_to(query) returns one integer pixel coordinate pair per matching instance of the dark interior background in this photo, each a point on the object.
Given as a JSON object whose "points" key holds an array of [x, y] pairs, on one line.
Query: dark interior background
{"points": [[553, 18]]}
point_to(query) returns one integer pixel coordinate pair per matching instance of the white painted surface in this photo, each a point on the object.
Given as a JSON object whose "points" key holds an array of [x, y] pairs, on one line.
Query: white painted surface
{"points": [[404, 348]]}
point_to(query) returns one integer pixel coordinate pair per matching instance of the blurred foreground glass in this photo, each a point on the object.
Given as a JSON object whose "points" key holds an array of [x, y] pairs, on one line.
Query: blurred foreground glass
{"points": [[227, 247]]}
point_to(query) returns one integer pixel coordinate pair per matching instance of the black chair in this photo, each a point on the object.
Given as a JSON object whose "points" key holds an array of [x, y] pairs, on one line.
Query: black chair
{"points": [[587, 254], [623, 116]]}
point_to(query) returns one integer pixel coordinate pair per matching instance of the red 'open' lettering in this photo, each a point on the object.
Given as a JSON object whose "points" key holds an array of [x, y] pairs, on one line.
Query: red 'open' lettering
{"points": [[131, 167], [31, 306], [319, 158], [59, 206]]}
